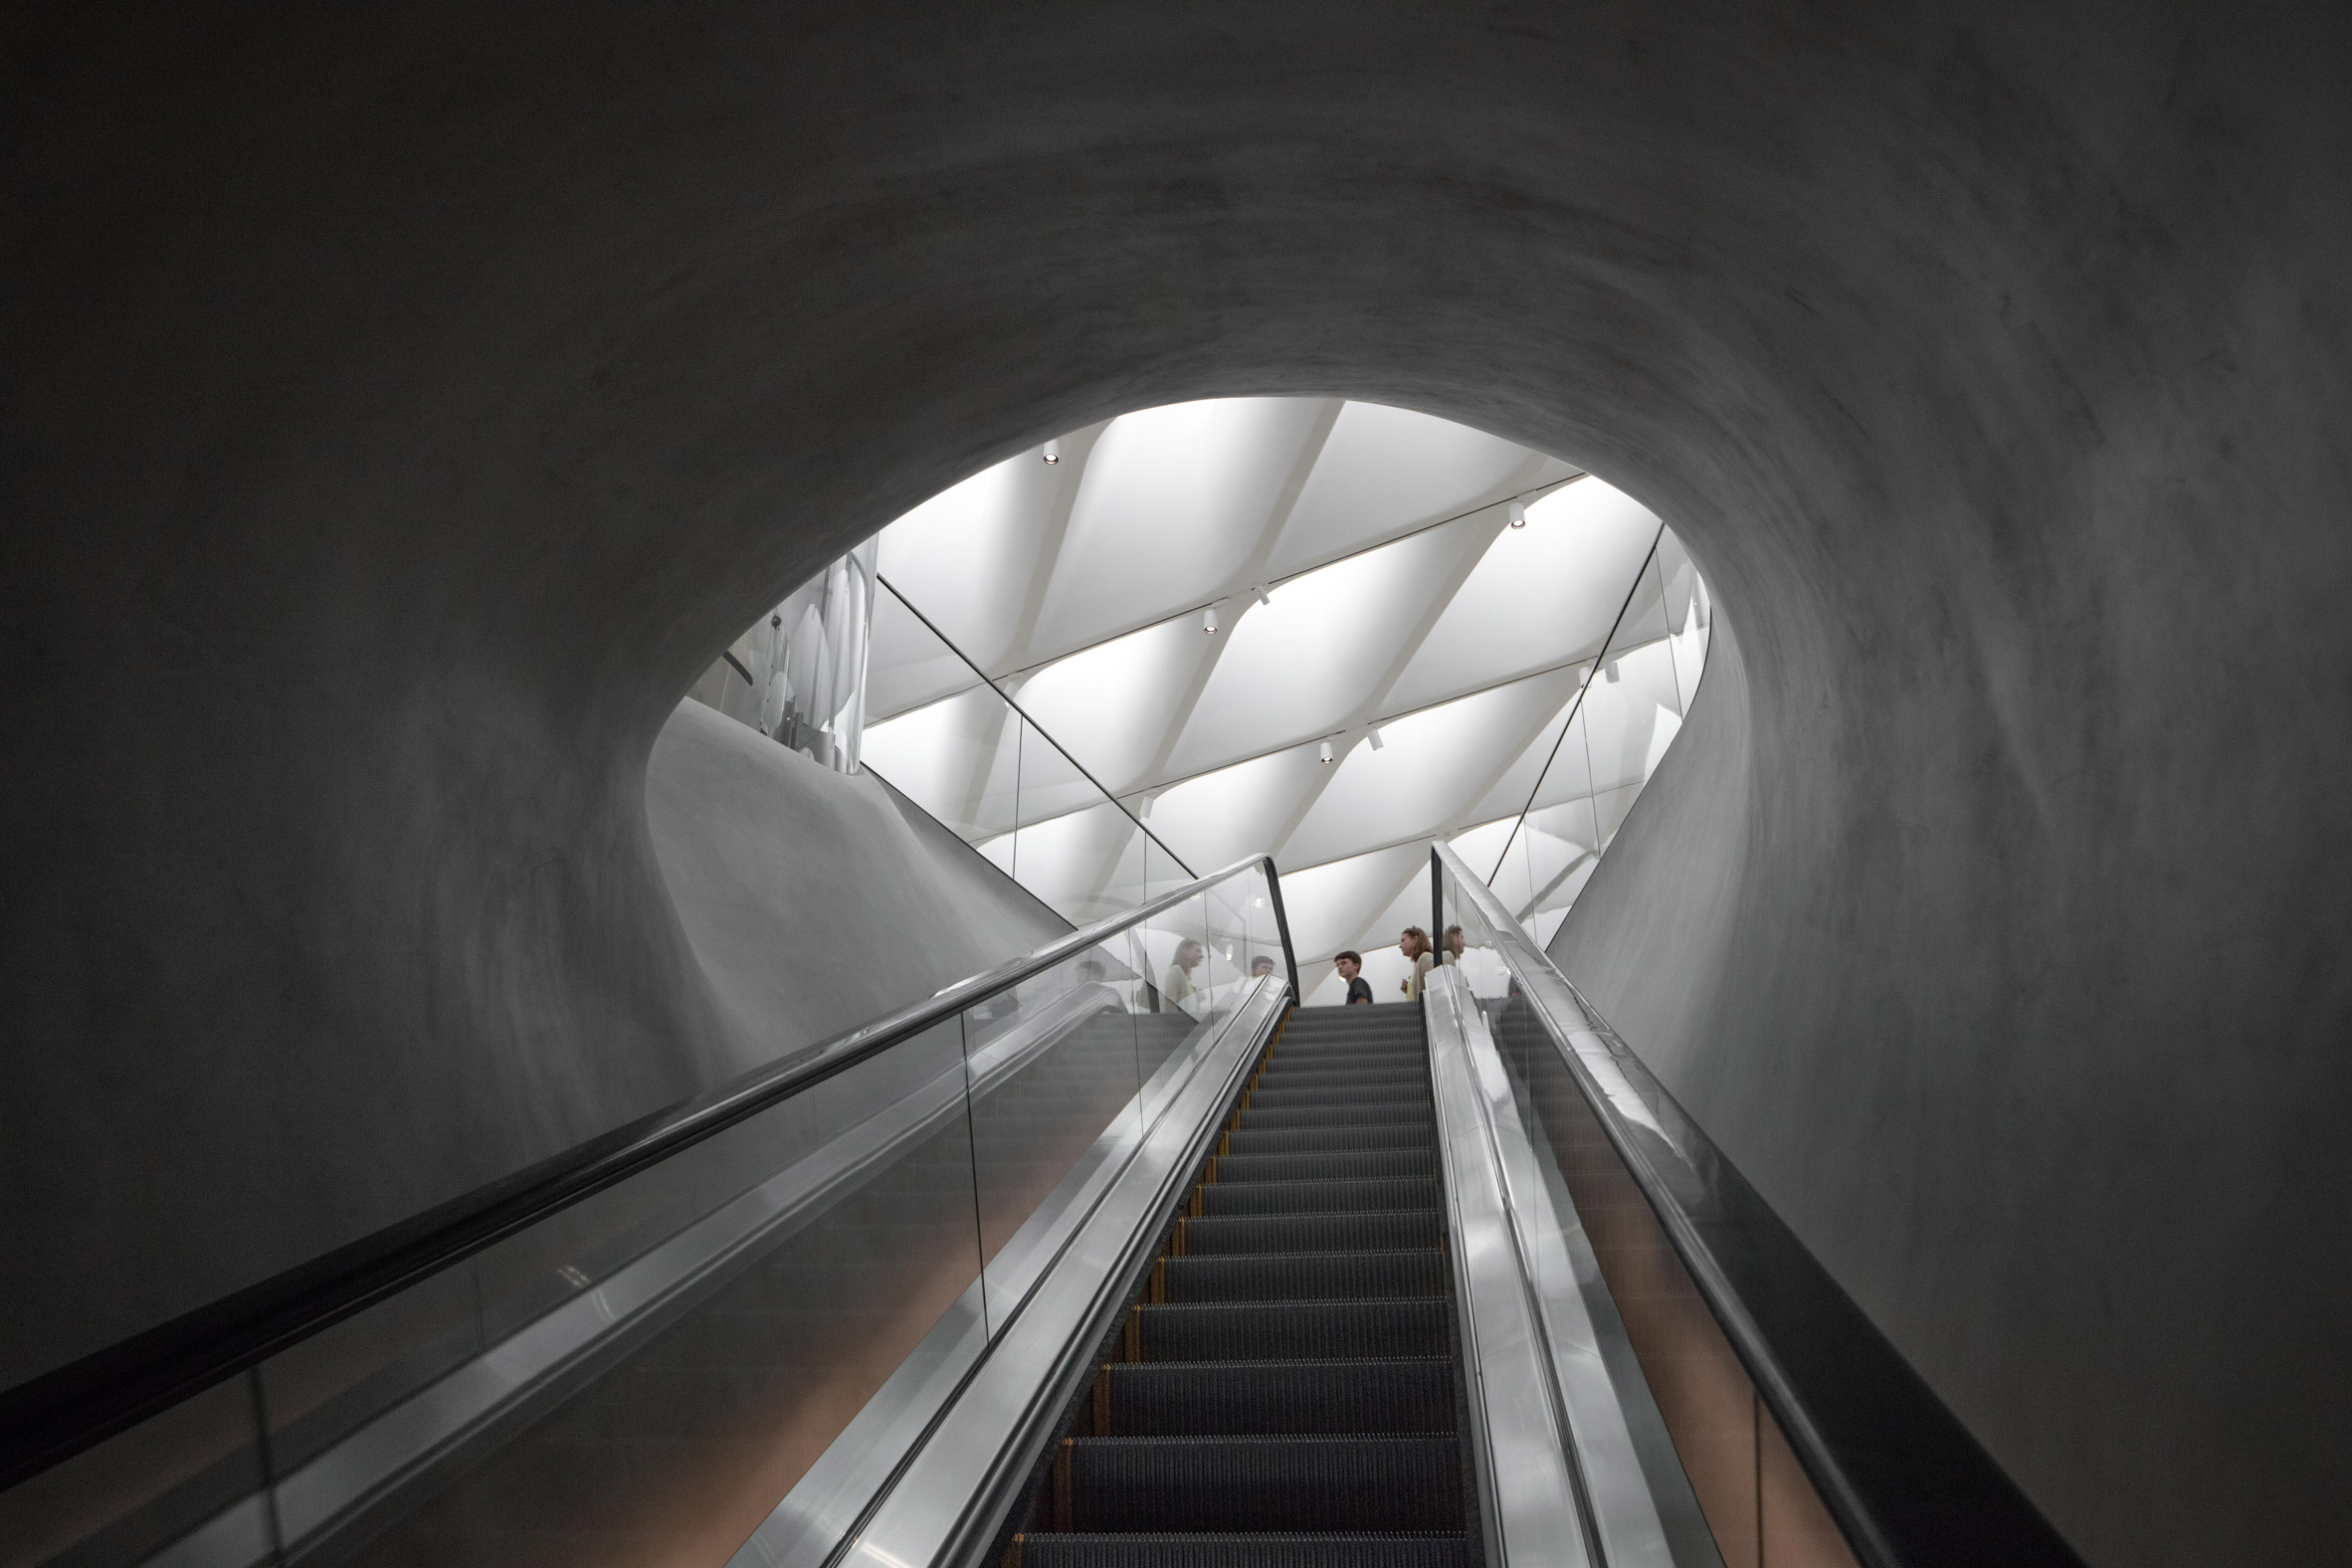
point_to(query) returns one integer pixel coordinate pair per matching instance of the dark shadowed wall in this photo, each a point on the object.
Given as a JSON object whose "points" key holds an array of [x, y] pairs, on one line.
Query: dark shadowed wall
{"points": [[398, 408]]}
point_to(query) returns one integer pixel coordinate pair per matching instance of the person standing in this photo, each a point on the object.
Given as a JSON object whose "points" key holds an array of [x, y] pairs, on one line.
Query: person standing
{"points": [[1177, 989], [1352, 969], [1414, 944]]}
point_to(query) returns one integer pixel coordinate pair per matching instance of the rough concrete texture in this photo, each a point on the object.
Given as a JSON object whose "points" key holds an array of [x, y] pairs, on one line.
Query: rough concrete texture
{"points": [[398, 410], [811, 901]]}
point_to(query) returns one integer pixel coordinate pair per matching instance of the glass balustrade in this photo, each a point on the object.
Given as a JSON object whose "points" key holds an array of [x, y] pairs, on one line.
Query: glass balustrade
{"points": [[737, 1338], [953, 745], [1628, 710]]}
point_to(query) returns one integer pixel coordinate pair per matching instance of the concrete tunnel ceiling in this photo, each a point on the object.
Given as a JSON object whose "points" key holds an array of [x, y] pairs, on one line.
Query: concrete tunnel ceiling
{"points": [[1407, 613], [399, 413]]}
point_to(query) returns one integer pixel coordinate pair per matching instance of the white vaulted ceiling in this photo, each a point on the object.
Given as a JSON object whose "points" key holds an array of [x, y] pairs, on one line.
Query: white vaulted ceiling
{"points": [[1365, 578]]}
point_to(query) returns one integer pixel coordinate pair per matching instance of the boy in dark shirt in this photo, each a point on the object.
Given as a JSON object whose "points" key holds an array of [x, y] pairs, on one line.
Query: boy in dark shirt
{"points": [[1352, 969]]}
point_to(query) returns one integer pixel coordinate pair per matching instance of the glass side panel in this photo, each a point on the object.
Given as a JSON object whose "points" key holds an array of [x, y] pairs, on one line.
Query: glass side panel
{"points": [[645, 1374], [189, 1473], [1054, 1108], [774, 1313], [675, 1396], [1616, 729]]}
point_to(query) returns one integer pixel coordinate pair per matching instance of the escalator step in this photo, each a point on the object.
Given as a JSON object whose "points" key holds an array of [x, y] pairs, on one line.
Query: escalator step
{"points": [[1206, 1398], [1353, 1484], [1325, 1140], [1306, 1277], [1334, 1166], [1293, 1119], [1311, 1233], [1382, 1038], [1385, 1049], [1351, 1195], [1277, 1330], [1386, 1032], [1296, 1083], [1245, 1552], [1406, 1065], [1403, 1094]]}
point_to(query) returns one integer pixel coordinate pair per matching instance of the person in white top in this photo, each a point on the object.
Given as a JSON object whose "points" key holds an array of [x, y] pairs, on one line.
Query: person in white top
{"points": [[1414, 944], [1176, 988]]}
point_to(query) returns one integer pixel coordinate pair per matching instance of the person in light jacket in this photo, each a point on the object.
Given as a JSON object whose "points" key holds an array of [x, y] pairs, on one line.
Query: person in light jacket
{"points": [[1177, 989], [1414, 944]]}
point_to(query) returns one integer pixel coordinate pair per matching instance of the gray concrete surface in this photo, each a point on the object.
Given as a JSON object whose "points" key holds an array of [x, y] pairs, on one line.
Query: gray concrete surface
{"points": [[811, 899], [398, 408]]}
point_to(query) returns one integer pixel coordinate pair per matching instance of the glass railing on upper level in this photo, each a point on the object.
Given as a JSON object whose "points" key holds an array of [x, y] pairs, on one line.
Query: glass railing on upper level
{"points": [[1807, 1440], [970, 756], [661, 1342], [1634, 697]]}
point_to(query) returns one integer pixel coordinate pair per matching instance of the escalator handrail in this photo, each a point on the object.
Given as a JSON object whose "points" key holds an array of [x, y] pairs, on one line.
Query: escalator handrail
{"points": [[49, 1418], [1906, 1483]]}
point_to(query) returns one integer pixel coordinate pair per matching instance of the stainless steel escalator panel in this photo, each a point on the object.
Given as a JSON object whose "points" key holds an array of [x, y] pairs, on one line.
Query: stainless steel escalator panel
{"points": [[1530, 1508], [1530, 1263]]}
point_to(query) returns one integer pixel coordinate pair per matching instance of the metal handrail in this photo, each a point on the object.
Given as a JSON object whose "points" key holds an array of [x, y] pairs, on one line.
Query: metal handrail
{"points": [[51, 1417], [1934, 1495]]}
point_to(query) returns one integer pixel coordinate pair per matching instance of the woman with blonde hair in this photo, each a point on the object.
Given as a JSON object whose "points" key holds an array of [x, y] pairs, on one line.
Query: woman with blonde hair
{"points": [[1415, 945]]}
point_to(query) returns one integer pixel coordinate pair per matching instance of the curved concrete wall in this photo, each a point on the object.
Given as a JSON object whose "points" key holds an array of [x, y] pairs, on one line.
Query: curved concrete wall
{"points": [[398, 414], [814, 899]]}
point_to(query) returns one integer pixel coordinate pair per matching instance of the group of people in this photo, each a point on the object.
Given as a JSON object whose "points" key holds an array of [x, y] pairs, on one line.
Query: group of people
{"points": [[1415, 945], [1177, 988]]}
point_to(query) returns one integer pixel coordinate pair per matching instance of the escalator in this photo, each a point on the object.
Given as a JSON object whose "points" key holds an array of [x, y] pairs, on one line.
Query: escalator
{"points": [[1287, 1388], [1047, 1270]]}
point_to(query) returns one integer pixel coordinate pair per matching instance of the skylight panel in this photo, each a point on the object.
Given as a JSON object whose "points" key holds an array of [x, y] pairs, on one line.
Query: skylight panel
{"points": [[1115, 704], [1540, 596], [1431, 769], [1307, 661], [1384, 471], [1173, 503], [967, 555]]}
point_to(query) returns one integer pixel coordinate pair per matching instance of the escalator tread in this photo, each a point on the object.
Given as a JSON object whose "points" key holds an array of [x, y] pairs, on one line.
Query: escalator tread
{"points": [[1146, 1550], [1288, 1383]]}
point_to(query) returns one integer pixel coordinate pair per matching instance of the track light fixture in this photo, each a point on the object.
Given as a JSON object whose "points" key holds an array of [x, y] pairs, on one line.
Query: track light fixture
{"points": [[1326, 753], [1374, 736], [1258, 593], [1053, 453], [1209, 620], [1518, 515], [1610, 669]]}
